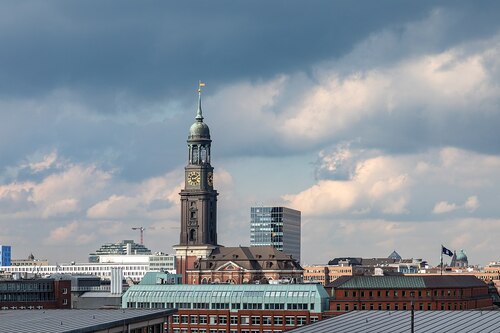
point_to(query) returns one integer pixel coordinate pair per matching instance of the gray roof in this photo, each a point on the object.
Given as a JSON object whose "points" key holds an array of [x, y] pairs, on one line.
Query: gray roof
{"points": [[378, 282], [249, 258], [405, 282], [59, 321], [400, 321]]}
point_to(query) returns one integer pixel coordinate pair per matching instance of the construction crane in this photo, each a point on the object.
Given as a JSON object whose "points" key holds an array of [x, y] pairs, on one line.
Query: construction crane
{"points": [[141, 229]]}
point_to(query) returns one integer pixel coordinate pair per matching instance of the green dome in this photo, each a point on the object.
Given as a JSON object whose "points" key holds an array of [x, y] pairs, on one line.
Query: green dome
{"points": [[461, 256], [199, 130]]}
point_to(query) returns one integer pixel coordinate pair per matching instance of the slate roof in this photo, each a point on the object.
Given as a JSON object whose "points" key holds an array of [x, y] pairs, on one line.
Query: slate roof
{"points": [[406, 282], [399, 322], [73, 321], [378, 282], [249, 258]]}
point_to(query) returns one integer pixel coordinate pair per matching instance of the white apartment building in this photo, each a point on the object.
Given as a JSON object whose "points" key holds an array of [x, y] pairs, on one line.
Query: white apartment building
{"points": [[133, 266]]}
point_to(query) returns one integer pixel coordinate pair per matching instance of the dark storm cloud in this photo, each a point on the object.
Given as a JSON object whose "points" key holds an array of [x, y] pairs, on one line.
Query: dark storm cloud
{"points": [[157, 48]]}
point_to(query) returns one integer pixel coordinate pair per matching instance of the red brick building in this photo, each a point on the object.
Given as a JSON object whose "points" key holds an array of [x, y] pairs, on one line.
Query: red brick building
{"points": [[239, 265], [398, 292], [242, 321], [35, 294]]}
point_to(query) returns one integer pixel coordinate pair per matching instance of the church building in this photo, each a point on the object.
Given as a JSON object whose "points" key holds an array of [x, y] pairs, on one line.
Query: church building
{"points": [[200, 259]]}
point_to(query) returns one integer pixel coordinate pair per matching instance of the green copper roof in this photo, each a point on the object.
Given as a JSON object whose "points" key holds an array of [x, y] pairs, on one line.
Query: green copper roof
{"points": [[382, 282]]}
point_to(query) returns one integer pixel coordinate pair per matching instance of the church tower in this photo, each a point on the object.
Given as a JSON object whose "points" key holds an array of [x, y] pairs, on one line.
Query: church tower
{"points": [[198, 236]]}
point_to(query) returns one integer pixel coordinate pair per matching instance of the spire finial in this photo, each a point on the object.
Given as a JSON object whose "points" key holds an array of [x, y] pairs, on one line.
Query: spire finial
{"points": [[199, 115]]}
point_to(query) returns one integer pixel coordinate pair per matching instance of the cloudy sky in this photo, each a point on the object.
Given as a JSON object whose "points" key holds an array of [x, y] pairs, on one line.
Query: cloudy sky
{"points": [[379, 120]]}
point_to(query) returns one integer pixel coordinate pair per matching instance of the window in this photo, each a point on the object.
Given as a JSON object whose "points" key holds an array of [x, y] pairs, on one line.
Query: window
{"points": [[314, 319], [363, 307], [355, 307], [245, 320], [65, 301], [404, 306], [395, 293], [234, 320], [203, 319], [289, 321], [64, 291], [387, 306], [184, 319], [338, 307], [387, 293], [255, 320], [278, 320], [346, 294], [371, 306], [379, 306], [403, 293], [370, 294], [354, 293], [175, 319], [396, 307], [213, 320], [301, 321], [194, 319], [266, 320], [222, 320], [346, 307], [362, 294]]}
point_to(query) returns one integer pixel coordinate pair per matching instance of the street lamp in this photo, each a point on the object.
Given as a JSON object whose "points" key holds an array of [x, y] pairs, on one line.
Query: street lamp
{"points": [[412, 295]]}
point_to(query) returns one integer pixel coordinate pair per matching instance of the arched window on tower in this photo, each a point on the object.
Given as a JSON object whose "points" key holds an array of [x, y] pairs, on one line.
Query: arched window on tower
{"points": [[203, 154], [194, 152], [192, 235]]}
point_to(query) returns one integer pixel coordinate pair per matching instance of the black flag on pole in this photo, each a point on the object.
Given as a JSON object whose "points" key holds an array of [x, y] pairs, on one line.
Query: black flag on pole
{"points": [[446, 251]]}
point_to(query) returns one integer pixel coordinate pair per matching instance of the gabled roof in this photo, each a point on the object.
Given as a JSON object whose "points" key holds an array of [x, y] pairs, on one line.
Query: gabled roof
{"points": [[379, 282], [406, 282], [248, 258]]}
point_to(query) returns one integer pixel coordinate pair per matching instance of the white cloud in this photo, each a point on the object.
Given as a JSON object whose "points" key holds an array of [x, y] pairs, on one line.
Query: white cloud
{"points": [[46, 162], [444, 207], [472, 203], [401, 184]]}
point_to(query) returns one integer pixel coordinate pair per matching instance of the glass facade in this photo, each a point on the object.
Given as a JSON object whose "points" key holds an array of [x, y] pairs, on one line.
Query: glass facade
{"points": [[278, 227], [5, 257]]}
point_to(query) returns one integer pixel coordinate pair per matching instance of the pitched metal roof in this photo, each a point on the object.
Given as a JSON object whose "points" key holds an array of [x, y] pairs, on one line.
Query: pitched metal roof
{"points": [[406, 282], [400, 321], [59, 321], [379, 282]]}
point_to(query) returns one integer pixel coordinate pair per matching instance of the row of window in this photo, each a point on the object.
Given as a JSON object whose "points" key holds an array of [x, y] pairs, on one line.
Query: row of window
{"points": [[404, 306], [222, 306], [16, 286], [202, 330], [242, 320], [404, 293], [232, 294]]}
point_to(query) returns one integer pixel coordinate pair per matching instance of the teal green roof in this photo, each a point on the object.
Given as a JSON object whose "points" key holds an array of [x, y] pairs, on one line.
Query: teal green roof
{"points": [[383, 282], [153, 278], [229, 293]]}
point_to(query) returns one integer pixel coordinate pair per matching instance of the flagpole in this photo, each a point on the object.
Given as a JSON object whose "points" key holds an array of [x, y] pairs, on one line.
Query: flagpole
{"points": [[441, 259]]}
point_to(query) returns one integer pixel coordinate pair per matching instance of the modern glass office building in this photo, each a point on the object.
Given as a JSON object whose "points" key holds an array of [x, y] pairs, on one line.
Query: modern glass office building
{"points": [[276, 226], [5, 257]]}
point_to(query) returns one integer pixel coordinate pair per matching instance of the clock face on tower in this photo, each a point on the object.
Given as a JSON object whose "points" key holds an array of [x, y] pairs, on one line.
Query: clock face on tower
{"points": [[193, 178]]}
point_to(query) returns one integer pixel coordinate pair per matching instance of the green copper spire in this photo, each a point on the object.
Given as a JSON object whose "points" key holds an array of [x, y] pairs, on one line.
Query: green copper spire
{"points": [[199, 115]]}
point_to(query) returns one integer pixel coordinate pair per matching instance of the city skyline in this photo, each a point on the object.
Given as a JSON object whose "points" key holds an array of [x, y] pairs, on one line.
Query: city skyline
{"points": [[378, 121]]}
